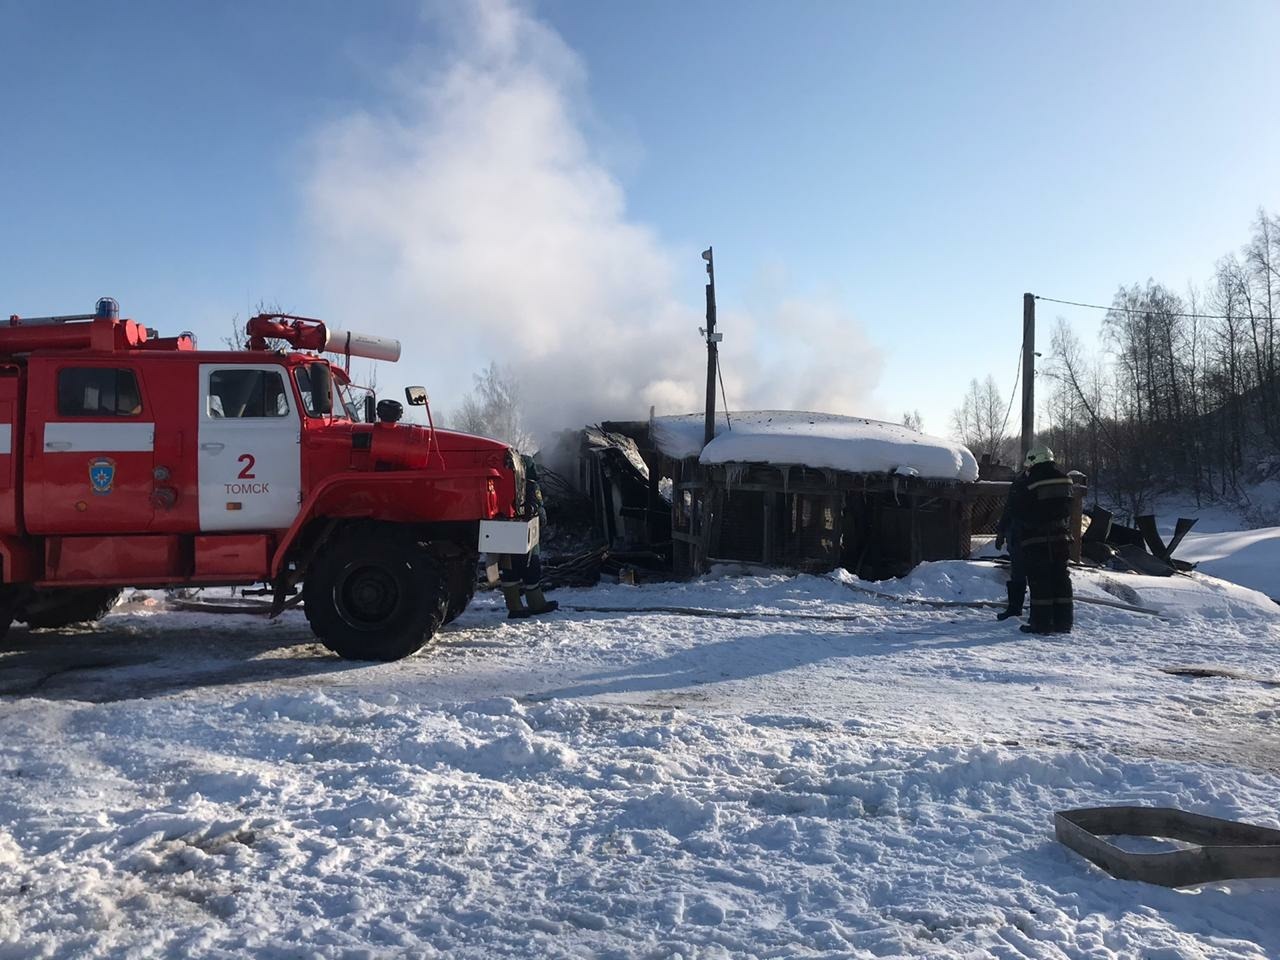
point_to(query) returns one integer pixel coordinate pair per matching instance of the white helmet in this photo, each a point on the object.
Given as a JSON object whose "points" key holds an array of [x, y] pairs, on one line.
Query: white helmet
{"points": [[1040, 453]]}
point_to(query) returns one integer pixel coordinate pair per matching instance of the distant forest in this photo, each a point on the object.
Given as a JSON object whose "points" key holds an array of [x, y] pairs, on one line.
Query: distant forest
{"points": [[1181, 395]]}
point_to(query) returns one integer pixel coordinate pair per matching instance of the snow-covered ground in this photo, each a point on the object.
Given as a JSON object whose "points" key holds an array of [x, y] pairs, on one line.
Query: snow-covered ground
{"points": [[738, 767]]}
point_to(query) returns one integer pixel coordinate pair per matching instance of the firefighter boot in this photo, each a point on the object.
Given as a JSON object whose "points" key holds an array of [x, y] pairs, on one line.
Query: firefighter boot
{"points": [[1017, 595], [1041, 619], [1063, 616], [538, 603], [1063, 607], [516, 610]]}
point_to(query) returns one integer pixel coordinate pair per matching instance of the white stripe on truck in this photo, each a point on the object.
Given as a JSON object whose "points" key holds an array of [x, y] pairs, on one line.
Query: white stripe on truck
{"points": [[99, 437]]}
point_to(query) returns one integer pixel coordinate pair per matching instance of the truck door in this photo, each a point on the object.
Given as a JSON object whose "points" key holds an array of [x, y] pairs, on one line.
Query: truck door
{"points": [[10, 446], [90, 437], [248, 452]]}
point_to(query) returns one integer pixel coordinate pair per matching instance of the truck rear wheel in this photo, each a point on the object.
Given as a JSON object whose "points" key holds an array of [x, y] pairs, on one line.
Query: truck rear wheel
{"points": [[375, 598], [63, 606], [462, 588]]}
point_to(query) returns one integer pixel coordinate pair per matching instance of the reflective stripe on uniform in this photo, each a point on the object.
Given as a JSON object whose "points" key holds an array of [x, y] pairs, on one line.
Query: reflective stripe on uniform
{"points": [[1053, 494], [1057, 488], [1063, 537]]}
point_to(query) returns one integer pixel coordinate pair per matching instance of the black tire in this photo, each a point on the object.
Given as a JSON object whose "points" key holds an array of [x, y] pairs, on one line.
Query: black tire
{"points": [[375, 597], [63, 606], [9, 601], [462, 588]]}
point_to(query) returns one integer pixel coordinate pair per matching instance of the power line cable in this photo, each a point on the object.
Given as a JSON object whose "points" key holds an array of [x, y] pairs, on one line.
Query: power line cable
{"points": [[723, 396], [1017, 375], [1097, 306]]}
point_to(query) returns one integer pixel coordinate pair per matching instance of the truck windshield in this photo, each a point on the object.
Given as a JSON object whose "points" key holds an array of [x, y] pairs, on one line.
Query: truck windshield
{"points": [[353, 398], [315, 386]]}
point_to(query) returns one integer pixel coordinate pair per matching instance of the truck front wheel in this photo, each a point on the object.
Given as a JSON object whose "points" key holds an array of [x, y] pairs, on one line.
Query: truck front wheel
{"points": [[375, 598]]}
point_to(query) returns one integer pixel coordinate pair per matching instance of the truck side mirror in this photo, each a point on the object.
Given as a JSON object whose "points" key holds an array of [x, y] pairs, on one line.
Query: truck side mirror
{"points": [[370, 408], [415, 396]]}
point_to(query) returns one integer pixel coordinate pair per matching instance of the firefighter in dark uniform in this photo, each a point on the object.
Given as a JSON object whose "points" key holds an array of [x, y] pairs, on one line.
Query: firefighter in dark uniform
{"points": [[522, 579], [1042, 513], [1008, 534]]}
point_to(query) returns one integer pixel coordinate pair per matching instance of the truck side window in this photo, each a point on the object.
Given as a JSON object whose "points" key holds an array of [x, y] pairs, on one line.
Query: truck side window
{"points": [[315, 385], [98, 392], [247, 393]]}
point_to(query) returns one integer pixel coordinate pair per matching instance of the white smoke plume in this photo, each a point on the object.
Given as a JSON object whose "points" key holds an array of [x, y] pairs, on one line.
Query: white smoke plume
{"points": [[474, 221]]}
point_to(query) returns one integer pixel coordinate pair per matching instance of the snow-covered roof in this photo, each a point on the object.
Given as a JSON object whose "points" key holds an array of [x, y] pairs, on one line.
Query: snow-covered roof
{"points": [[851, 444]]}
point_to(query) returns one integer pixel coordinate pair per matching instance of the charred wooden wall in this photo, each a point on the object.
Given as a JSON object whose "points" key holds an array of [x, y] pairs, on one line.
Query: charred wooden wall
{"points": [[813, 519], [875, 525]]}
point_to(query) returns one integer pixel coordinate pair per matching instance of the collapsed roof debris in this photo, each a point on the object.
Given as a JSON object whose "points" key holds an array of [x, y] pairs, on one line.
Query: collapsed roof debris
{"points": [[1137, 549]]}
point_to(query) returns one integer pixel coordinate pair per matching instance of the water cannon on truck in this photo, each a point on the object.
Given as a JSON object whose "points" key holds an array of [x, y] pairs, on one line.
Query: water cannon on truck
{"points": [[128, 459]]}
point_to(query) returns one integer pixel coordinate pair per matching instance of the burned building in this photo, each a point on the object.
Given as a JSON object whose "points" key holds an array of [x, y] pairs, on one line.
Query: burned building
{"points": [[814, 491], [809, 491], [616, 477]]}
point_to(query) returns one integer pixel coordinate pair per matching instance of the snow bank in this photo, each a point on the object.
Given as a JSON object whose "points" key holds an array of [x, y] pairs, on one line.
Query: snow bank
{"points": [[1193, 597], [852, 444], [1247, 557]]}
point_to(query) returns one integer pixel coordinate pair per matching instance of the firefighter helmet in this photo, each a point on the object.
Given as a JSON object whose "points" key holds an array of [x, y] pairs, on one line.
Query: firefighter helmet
{"points": [[1040, 453]]}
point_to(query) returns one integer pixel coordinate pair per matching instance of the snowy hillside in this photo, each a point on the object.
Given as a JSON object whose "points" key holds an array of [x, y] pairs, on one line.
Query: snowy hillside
{"points": [[739, 767], [1248, 557], [1225, 544]]}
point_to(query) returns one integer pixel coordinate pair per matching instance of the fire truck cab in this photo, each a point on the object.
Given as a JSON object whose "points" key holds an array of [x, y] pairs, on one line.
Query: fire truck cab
{"points": [[128, 459]]}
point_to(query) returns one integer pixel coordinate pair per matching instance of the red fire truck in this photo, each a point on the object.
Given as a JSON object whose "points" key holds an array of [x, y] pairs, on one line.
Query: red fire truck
{"points": [[130, 459]]}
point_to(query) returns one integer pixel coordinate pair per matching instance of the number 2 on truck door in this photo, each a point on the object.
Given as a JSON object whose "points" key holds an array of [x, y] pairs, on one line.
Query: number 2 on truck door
{"points": [[249, 451]]}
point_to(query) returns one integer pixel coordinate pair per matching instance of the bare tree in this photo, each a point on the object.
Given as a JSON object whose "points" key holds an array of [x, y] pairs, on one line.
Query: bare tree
{"points": [[1227, 379], [980, 420], [1082, 431], [239, 340], [492, 409], [1262, 276], [913, 421], [1184, 392]]}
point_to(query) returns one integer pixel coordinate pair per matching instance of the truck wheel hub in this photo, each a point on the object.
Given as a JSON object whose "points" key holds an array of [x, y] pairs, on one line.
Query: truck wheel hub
{"points": [[367, 597]]}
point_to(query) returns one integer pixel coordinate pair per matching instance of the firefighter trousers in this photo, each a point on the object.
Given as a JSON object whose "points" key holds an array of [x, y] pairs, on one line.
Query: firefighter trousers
{"points": [[1052, 609], [1017, 565], [522, 571]]}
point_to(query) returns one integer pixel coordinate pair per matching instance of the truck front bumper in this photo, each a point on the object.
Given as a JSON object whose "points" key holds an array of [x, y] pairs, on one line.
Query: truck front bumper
{"points": [[509, 536]]}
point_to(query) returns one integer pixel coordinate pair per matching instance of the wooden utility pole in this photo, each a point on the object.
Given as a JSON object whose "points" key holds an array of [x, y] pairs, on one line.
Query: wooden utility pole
{"points": [[1028, 373], [713, 339]]}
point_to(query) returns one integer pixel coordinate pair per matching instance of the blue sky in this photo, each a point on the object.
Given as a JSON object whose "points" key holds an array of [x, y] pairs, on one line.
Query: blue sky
{"points": [[881, 181]]}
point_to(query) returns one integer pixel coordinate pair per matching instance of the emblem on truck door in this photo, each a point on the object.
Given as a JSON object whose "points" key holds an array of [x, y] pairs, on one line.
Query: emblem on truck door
{"points": [[102, 474]]}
